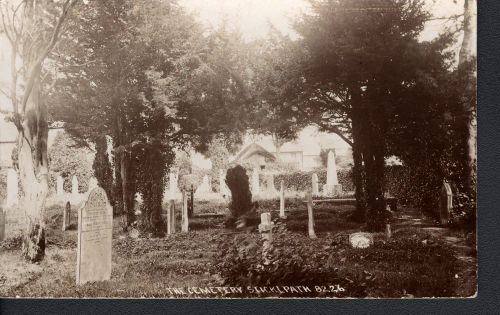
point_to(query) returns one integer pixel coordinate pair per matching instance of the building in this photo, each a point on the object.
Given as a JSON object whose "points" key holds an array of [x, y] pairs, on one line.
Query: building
{"points": [[304, 153]]}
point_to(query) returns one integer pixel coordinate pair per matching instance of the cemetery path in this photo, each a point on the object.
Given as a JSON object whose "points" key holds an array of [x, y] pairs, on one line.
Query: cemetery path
{"points": [[463, 243]]}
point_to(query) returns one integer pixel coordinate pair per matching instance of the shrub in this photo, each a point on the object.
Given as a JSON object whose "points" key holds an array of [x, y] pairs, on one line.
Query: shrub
{"points": [[395, 268], [68, 159], [241, 197]]}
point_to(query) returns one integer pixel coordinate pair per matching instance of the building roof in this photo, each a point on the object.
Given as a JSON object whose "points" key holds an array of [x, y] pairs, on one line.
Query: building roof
{"points": [[252, 149]]}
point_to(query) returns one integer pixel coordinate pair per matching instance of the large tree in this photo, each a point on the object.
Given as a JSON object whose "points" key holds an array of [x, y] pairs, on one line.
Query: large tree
{"points": [[33, 28], [361, 59]]}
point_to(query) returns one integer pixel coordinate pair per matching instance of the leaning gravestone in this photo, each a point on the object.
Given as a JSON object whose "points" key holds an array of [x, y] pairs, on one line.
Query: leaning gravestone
{"points": [[95, 228], [446, 203]]}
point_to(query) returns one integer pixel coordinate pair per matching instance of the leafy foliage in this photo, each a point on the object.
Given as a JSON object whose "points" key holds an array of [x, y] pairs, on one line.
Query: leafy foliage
{"points": [[394, 268], [69, 159]]}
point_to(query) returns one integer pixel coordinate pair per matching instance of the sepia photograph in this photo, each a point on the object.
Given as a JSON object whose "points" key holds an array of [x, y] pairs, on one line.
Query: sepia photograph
{"points": [[222, 149]]}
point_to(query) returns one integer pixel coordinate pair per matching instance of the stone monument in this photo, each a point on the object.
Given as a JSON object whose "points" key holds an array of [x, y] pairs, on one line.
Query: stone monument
{"points": [[95, 230], [332, 187], [282, 201], [445, 203], [185, 219], [310, 216], [266, 231]]}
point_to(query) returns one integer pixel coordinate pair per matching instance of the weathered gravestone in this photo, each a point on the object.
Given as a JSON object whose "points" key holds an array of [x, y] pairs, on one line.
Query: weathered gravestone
{"points": [[266, 231], [2, 224], [315, 186], [66, 216], [310, 216], [446, 203], [171, 218], [12, 188], [95, 229], [185, 219], [282, 201], [332, 187], [361, 240]]}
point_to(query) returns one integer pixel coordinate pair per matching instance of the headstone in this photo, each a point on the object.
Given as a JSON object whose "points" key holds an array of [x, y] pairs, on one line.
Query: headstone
{"points": [[255, 182], [315, 188], [92, 183], [332, 187], [388, 232], [266, 231], [205, 186], [361, 240], [66, 216], [445, 203], [2, 224], [171, 218], [95, 230], [282, 201], [185, 219], [74, 185], [59, 185], [12, 188], [310, 216]]}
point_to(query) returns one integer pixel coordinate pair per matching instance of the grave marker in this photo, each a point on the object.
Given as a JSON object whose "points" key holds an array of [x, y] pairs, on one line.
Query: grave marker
{"points": [[282, 201], [315, 188], [95, 229], [446, 203], [171, 218], [266, 231], [310, 216], [332, 187], [185, 220]]}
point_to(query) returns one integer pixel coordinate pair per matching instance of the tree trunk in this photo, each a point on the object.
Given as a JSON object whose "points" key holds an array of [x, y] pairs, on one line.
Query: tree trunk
{"points": [[470, 120], [33, 171], [127, 194], [357, 170]]}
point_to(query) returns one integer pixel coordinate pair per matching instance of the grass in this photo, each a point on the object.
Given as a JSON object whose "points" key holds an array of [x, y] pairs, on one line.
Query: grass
{"points": [[148, 267]]}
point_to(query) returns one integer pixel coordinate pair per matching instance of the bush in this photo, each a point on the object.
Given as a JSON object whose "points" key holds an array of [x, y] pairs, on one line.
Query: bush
{"points": [[67, 159], [395, 268], [241, 197], [302, 180]]}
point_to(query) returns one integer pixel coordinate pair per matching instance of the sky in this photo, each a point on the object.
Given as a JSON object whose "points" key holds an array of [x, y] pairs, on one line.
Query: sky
{"points": [[251, 17]]}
